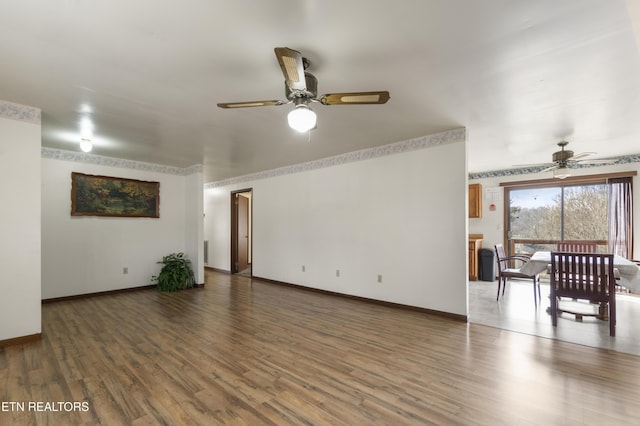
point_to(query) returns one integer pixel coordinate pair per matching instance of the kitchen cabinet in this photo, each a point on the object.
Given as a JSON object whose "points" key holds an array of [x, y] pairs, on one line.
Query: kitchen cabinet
{"points": [[475, 244], [475, 200]]}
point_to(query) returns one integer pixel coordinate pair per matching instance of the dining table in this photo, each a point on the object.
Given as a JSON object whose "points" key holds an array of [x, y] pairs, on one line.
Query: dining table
{"points": [[629, 272]]}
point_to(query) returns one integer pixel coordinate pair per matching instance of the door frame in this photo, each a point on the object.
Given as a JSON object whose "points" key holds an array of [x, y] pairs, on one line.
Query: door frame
{"points": [[234, 229]]}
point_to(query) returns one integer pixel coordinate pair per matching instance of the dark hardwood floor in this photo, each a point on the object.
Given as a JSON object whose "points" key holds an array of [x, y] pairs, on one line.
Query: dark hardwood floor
{"points": [[247, 352]]}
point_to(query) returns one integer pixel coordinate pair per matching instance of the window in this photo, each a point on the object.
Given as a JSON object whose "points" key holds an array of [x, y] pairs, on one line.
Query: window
{"points": [[541, 217], [593, 209]]}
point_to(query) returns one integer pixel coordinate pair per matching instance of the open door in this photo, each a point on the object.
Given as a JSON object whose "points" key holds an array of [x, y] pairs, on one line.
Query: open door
{"points": [[241, 232]]}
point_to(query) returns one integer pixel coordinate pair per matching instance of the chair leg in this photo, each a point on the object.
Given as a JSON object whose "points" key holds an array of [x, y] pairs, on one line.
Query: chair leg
{"points": [[612, 318], [499, 283], [535, 294], [539, 296], [554, 309], [504, 285]]}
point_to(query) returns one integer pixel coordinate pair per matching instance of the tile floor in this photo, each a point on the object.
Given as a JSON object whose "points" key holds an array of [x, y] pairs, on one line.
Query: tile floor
{"points": [[516, 312]]}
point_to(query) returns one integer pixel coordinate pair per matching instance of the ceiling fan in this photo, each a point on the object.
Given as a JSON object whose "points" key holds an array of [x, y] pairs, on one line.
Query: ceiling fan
{"points": [[563, 159], [301, 89]]}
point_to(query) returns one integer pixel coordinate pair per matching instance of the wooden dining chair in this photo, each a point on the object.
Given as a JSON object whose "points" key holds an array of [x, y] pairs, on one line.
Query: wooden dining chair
{"points": [[576, 247], [584, 276], [506, 271]]}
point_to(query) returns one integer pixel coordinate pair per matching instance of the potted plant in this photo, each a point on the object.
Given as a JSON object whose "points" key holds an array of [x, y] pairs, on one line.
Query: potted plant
{"points": [[176, 273]]}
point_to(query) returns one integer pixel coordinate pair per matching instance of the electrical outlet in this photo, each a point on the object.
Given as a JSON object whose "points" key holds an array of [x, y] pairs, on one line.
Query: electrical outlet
{"points": [[337, 272], [379, 278], [125, 270]]}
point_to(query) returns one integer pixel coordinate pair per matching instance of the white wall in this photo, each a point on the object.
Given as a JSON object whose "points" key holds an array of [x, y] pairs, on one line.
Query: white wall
{"points": [[402, 216], [194, 226], [84, 254], [492, 222], [217, 226], [20, 309]]}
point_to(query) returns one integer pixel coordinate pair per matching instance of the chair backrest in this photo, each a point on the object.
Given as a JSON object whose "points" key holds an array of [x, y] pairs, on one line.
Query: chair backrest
{"points": [[582, 276], [577, 247], [501, 258]]}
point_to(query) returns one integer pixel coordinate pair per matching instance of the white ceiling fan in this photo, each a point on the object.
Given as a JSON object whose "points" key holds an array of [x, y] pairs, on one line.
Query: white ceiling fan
{"points": [[301, 89], [561, 161]]}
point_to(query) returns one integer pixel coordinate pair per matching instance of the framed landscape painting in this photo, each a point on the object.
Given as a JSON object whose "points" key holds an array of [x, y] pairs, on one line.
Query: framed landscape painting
{"points": [[111, 196]]}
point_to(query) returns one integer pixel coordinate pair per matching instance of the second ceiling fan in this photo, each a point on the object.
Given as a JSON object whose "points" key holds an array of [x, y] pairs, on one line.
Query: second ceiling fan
{"points": [[563, 159], [301, 89]]}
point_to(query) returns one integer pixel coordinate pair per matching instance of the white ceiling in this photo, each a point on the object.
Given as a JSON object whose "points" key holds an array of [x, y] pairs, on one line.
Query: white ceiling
{"points": [[519, 75]]}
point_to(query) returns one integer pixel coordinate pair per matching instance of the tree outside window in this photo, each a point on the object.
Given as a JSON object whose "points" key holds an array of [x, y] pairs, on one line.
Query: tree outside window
{"points": [[549, 214]]}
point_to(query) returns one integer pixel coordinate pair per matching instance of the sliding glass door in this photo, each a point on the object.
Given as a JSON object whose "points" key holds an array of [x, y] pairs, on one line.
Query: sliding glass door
{"points": [[540, 217]]}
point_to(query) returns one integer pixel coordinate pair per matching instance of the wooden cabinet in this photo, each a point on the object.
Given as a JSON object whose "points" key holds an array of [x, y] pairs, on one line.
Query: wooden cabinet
{"points": [[475, 200], [475, 244]]}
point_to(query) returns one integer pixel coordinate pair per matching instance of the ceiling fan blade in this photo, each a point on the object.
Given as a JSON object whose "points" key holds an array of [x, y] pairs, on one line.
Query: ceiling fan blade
{"points": [[533, 165], [555, 166], [355, 98], [292, 67], [580, 156], [602, 161], [249, 104]]}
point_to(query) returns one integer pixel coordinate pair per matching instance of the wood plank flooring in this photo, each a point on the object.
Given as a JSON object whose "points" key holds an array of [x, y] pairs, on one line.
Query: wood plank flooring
{"points": [[245, 352]]}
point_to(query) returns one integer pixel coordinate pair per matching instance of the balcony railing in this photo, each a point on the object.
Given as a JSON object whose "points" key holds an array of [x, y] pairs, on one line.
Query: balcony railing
{"points": [[526, 245]]}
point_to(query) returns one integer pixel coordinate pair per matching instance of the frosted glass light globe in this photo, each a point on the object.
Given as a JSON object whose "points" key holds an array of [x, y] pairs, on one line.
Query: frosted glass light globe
{"points": [[302, 118]]}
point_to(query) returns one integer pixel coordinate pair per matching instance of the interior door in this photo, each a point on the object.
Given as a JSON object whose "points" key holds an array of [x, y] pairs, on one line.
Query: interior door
{"points": [[243, 232]]}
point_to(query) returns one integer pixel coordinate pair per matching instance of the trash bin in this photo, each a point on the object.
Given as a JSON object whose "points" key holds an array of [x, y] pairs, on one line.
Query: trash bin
{"points": [[486, 264]]}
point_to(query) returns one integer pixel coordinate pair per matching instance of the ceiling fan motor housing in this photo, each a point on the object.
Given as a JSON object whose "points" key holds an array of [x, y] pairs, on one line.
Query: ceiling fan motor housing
{"points": [[561, 157], [312, 88]]}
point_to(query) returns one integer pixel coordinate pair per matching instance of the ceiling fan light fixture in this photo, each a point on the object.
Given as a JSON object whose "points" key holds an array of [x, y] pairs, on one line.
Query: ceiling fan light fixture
{"points": [[302, 118], [561, 172], [301, 88]]}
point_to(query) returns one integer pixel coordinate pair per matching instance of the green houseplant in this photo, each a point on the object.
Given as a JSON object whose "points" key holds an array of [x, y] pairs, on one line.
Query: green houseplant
{"points": [[176, 273]]}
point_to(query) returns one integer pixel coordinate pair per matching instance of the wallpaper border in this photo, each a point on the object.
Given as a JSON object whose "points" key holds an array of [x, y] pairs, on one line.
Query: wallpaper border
{"points": [[99, 160], [19, 112]]}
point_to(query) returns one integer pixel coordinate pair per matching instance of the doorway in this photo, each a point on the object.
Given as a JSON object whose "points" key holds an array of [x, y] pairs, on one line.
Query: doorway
{"points": [[241, 239]]}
